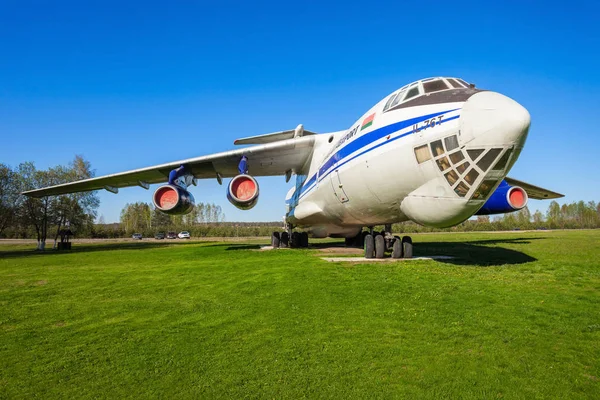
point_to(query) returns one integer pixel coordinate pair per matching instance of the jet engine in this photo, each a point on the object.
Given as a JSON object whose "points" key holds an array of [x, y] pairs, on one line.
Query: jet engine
{"points": [[174, 200], [505, 199], [242, 191]]}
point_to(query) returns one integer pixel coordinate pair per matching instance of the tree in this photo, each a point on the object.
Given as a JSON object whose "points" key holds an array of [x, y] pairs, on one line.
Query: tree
{"points": [[136, 217], [34, 211], [523, 217], [160, 220], [9, 196], [553, 214], [538, 218], [75, 210]]}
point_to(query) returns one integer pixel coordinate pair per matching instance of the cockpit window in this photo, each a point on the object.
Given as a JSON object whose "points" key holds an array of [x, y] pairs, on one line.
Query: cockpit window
{"points": [[454, 83], [423, 87], [387, 105], [434, 86], [398, 98], [413, 92]]}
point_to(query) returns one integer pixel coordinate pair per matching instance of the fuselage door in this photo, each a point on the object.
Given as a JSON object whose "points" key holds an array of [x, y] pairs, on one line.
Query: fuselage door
{"points": [[338, 188]]}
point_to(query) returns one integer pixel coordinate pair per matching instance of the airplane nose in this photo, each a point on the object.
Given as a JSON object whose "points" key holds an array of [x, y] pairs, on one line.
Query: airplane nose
{"points": [[490, 118]]}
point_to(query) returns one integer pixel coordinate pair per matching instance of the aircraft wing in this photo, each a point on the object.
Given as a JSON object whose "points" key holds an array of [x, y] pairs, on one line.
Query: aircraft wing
{"points": [[269, 159], [534, 192]]}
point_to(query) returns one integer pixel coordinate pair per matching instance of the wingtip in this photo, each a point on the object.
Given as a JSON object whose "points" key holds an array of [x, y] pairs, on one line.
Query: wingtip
{"points": [[29, 193]]}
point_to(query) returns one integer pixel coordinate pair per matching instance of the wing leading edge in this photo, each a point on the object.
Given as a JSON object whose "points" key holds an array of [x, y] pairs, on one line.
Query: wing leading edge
{"points": [[269, 159], [534, 192]]}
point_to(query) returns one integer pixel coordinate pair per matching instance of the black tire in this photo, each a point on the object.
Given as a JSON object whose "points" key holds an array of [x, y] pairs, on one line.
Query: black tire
{"points": [[407, 247], [295, 242], [379, 246], [369, 246], [275, 239], [397, 248], [284, 239], [304, 239]]}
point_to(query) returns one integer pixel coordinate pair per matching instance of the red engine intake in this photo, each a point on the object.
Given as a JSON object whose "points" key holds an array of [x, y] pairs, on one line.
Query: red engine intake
{"points": [[242, 191], [173, 200], [517, 197]]}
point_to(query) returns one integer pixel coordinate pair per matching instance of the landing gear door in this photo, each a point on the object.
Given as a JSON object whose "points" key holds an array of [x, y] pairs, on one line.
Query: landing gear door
{"points": [[338, 188]]}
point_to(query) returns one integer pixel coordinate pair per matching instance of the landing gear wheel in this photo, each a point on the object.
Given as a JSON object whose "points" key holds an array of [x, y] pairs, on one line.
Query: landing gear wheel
{"points": [[275, 239], [379, 246], [397, 248], [362, 237], [284, 239], [407, 247], [304, 239], [295, 243], [369, 246]]}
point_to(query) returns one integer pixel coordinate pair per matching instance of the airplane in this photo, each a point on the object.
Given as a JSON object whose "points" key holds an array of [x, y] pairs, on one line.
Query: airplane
{"points": [[436, 151]]}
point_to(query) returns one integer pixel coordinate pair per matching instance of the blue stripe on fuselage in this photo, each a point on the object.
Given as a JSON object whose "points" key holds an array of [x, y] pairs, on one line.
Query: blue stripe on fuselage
{"points": [[366, 140]]}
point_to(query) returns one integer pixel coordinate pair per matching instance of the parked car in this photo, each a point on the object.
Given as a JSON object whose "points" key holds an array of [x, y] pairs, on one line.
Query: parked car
{"points": [[137, 236], [171, 235], [159, 236], [184, 235]]}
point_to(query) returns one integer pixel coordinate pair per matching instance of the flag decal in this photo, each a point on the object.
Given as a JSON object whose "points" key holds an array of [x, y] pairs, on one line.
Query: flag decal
{"points": [[368, 121]]}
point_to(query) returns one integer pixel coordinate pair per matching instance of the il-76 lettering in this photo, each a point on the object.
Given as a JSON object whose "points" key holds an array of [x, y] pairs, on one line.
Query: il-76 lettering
{"points": [[428, 123]]}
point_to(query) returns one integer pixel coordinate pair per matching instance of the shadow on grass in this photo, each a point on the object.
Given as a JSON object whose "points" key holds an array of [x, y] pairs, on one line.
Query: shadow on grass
{"points": [[477, 253], [240, 246], [92, 247]]}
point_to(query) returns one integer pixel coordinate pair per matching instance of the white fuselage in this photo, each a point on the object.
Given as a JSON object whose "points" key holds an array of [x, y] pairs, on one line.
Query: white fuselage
{"points": [[433, 159]]}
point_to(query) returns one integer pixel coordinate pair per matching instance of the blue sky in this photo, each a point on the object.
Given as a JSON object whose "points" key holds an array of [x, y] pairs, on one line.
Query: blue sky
{"points": [[132, 84]]}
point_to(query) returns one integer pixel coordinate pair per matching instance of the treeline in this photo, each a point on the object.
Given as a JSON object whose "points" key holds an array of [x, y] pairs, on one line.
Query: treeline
{"points": [[205, 220], [219, 229], [577, 215]]}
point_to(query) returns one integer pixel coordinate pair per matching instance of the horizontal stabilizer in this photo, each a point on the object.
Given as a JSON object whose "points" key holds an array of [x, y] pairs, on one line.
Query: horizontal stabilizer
{"points": [[534, 192], [275, 136]]}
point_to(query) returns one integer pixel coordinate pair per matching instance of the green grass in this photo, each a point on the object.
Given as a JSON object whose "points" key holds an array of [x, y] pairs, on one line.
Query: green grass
{"points": [[515, 315]]}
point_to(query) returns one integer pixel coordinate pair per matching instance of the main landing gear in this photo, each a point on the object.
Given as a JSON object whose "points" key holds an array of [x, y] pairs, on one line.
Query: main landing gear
{"points": [[284, 240], [376, 244]]}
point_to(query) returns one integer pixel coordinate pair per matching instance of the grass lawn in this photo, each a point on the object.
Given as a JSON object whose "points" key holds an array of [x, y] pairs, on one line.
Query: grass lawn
{"points": [[515, 315]]}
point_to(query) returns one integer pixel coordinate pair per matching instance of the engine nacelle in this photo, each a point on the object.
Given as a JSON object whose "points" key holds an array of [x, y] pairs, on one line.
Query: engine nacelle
{"points": [[172, 199], [505, 199], [242, 191]]}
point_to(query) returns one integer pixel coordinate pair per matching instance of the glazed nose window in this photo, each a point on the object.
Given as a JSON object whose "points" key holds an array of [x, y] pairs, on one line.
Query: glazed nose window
{"points": [[488, 159], [503, 160], [422, 153]]}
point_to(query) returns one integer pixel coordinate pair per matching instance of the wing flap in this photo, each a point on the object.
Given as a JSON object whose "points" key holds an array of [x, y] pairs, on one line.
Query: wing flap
{"points": [[264, 160], [275, 136], [534, 192]]}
